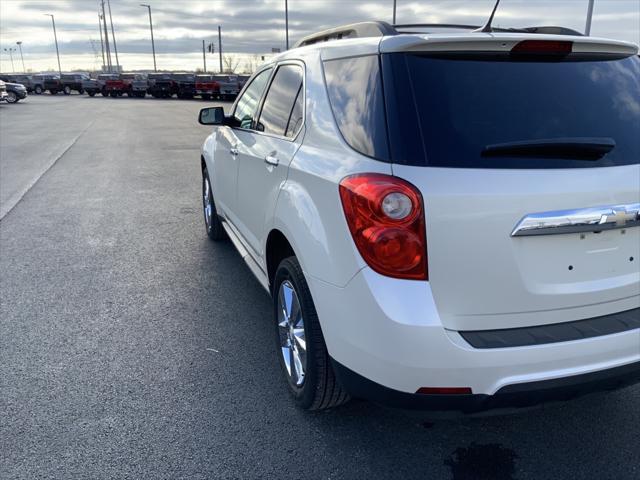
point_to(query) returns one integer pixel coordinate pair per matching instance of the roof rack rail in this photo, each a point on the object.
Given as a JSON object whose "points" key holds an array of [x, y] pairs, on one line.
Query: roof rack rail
{"points": [[381, 29], [554, 31], [354, 30]]}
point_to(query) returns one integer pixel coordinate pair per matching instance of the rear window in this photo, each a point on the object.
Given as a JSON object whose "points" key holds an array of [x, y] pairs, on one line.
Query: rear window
{"points": [[444, 111]]}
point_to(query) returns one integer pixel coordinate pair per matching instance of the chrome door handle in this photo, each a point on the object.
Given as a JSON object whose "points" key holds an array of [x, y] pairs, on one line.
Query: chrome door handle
{"points": [[234, 151], [271, 160]]}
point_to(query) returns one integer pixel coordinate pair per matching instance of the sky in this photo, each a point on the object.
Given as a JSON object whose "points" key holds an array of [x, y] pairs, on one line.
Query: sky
{"points": [[251, 28]]}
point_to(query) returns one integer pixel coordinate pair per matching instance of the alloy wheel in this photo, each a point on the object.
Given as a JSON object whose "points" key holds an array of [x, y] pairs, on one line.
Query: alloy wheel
{"points": [[208, 204], [293, 344]]}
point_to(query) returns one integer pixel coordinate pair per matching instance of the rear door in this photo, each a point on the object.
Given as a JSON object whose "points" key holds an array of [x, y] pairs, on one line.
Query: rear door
{"points": [[496, 141], [265, 154]]}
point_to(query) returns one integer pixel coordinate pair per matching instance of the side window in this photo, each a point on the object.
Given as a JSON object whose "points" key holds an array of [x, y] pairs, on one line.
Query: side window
{"points": [[355, 92], [282, 98], [297, 115], [248, 103]]}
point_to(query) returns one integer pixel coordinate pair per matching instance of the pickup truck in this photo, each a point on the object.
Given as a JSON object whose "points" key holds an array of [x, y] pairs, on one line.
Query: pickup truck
{"points": [[186, 83], [207, 87], [47, 82], [162, 85], [229, 86], [73, 82], [91, 86], [136, 83]]}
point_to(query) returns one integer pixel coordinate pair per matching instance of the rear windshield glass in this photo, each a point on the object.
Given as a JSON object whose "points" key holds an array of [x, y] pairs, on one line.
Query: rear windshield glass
{"points": [[451, 111], [445, 111]]}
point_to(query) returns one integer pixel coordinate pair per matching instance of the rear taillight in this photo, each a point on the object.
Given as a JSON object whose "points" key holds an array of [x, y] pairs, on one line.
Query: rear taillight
{"points": [[386, 218], [543, 47]]}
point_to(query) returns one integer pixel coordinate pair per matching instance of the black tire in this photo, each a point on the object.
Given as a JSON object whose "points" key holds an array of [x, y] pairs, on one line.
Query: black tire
{"points": [[38, 90], [212, 222], [91, 93], [104, 92], [81, 91], [67, 90], [206, 96], [320, 388], [53, 92], [12, 97]]}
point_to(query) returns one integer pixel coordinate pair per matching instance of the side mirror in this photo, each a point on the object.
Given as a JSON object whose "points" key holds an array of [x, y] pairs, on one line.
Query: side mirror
{"points": [[212, 116]]}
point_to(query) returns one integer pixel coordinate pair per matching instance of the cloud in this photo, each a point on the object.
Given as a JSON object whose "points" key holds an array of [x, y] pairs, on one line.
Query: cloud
{"points": [[257, 26]]}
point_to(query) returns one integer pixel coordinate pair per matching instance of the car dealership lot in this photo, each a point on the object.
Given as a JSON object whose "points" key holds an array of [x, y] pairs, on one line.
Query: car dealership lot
{"points": [[132, 347]]}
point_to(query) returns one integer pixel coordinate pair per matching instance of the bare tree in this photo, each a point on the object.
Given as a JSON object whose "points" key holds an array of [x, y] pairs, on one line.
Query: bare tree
{"points": [[253, 62], [230, 63]]}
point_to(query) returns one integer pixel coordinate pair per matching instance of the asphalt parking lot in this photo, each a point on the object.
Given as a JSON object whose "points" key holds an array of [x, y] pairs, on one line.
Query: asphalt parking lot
{"points": [[133, 347]]}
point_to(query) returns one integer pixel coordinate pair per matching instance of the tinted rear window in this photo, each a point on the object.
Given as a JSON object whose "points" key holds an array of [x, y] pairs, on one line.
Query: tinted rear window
{"points": [[443, 111], [355, 92]]}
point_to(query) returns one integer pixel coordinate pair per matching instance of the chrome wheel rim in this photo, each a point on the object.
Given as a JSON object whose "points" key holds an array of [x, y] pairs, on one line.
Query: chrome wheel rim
{"points": [[208, 206], [293, 344]]}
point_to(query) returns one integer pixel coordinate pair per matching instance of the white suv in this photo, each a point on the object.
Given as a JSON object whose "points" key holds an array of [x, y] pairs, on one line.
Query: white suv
{"points": [[443, 221]]}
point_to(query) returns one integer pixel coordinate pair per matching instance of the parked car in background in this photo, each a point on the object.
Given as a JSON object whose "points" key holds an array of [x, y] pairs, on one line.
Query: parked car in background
{"points": [[115, 87], [91, 86], [22, 79], [162, 85], [186, 85], [207, 87], [3, 91], [73, 82], [136, 83], [15, 92], [47, 82], [229, 86], [465, 238]]}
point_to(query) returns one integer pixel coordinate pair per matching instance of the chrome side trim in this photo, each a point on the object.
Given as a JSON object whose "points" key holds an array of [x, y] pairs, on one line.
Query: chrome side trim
{"points": [[593, 219]]}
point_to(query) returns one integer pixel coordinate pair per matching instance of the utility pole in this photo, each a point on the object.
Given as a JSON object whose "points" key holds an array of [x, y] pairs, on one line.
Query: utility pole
{"points": [[153, 46], [587, 28], [11, 50], [24, 70], [106, 40], [55, 37], [394, 12], [286, 22], [104, 62], [204, 58], [113, 34], [220, 46]]}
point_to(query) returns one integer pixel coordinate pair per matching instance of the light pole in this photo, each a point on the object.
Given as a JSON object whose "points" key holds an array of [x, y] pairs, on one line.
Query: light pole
{"points": [[153, 46], [286, 22], [113, 34], [24, 70], [11, 50], [587, 28], [394, 12], [220, 46], [55, 36]]}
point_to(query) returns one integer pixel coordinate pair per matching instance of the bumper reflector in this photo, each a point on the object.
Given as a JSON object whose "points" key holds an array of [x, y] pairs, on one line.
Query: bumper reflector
{"points": [[445, 391]]}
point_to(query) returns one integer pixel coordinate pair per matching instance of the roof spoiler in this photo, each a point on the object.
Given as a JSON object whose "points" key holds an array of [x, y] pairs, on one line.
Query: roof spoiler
{"points": [[382, 29]]}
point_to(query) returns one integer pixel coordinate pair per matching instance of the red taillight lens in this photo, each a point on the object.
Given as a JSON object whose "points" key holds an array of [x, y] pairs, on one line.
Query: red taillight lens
{"points": [[386, 218], [544, 47], [445, 391]]}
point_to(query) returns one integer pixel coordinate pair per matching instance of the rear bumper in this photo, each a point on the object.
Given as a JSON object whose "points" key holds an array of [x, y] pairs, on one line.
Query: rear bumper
{"points": [[389, 332], [510, 397]]}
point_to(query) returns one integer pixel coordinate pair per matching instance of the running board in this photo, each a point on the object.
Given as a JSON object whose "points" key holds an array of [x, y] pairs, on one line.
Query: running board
{"points": [[246, 256]]}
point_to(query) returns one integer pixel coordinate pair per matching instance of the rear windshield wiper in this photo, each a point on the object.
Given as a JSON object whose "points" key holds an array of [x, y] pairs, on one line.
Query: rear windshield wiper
{"points": [[578, 148]]}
